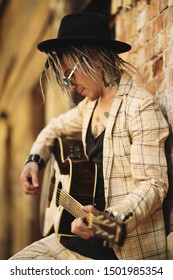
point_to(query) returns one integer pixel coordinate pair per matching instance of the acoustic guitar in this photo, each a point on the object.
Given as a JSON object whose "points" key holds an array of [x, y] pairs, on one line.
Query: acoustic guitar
{"points": [[72, 183]]}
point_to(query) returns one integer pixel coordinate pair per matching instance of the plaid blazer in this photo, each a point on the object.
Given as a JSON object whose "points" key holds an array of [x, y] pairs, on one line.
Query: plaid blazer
{"points": [[134, 164]]}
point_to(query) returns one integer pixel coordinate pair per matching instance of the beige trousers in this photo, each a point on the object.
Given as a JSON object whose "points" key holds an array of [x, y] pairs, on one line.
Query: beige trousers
{"points": [[48, 248]]}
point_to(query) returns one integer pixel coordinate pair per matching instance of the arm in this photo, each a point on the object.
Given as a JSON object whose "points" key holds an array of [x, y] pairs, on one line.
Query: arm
{"points": [[68, 124], [148, 131]]}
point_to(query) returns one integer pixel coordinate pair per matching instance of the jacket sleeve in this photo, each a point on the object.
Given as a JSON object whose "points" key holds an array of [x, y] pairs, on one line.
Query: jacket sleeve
{"points": [[67, 124]]}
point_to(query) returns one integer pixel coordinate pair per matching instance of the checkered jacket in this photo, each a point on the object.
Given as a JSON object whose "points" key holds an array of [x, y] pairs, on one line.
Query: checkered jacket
{"points": [[134, 163]]}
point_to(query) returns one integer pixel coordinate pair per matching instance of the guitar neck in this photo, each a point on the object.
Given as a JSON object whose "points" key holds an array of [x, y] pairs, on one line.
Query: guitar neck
{"points": [[70, 204], [103, 225], [74, 207]]}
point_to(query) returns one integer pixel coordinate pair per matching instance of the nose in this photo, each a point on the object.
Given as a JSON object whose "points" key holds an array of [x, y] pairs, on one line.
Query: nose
{"points": [[73, 88]]}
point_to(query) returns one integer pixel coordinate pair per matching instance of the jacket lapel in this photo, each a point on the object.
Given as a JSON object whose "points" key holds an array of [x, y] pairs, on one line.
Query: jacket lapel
{"points": [[108, 142]]}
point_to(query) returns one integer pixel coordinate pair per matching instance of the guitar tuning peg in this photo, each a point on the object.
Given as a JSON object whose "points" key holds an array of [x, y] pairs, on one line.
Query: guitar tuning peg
{"points": [[98, 233], [106, 221], [123, 218], [105, 235], [110, 237], [101, 217], [115, 213], [109, 213], [105, 243], [126, 217]]}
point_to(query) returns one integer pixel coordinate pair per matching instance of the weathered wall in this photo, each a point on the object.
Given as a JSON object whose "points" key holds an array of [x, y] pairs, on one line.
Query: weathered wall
{"points": [[148, 27]]}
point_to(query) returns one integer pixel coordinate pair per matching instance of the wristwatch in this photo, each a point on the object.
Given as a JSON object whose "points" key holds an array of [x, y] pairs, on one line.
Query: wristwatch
{"points": [[37, 159]]}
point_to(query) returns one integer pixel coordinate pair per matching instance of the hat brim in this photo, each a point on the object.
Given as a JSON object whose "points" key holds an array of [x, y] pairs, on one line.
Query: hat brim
{"points": [[53, 44]]}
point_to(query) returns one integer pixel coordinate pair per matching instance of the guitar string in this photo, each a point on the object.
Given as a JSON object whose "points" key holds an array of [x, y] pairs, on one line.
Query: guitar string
{"points": [[61, 198], [80, 213], [89, 216], [75, 206], [63, 193]]}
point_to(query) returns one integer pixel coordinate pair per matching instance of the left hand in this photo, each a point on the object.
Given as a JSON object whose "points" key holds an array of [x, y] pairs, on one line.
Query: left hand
{"points": [[79, 227]]}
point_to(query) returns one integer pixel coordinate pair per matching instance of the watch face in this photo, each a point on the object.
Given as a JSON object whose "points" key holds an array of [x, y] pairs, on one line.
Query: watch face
{"points": [[37, 159]]}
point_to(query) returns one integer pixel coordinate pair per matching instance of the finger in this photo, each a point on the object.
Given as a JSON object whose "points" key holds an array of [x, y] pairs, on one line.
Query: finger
{"points": [[33, 191], [26, 180], [29, 188], [79, 228], [35, 181], [85, 235], [90, 208]]}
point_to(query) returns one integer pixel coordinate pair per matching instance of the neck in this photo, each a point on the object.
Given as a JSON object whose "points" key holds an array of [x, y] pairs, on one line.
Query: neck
{"points": [[108, 93]]}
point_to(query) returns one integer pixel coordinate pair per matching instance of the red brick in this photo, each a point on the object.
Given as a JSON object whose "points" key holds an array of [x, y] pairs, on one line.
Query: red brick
{"points": [[139, 40], [161, 84], [146, 71], [157, 25], [151, 87], [153, 10], [150, 49], [142, 19], [147, 33], [162, 41], [157, 66], [168, 17], [162, 5], [141, 5], [168, 57]]}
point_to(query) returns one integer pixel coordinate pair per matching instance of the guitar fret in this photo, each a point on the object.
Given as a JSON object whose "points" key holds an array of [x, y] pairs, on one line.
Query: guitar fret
{"points": [[70, 204]]}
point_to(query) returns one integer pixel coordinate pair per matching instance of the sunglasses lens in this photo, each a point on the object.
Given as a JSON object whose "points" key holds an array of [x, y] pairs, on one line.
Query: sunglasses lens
{"points": [[67, 83], [68, 80]]}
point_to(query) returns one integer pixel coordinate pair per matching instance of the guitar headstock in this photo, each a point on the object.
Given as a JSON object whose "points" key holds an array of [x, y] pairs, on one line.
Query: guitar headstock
{"points": [[106, 226]]}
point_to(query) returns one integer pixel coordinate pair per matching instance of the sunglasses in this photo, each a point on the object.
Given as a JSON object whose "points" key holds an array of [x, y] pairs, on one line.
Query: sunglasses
{"points": [[68, 82]]}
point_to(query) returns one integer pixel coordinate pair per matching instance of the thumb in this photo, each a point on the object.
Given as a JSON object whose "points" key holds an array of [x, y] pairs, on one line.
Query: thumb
{"points": [[35, 180]]}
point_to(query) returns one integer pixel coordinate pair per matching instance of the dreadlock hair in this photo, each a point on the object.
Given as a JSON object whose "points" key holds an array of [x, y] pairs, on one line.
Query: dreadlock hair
{"points": [[87, 57]]}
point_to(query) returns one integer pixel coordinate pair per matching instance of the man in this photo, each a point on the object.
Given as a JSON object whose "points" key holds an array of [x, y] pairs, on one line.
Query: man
{"points": [[123, 131]]}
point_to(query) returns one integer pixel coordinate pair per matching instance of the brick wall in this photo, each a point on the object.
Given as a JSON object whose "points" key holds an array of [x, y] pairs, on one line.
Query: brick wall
{"points": [[148, 27]]}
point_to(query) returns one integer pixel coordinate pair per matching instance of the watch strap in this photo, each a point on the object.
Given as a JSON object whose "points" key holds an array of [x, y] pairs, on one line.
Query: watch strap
{"points": [[37, 159]]}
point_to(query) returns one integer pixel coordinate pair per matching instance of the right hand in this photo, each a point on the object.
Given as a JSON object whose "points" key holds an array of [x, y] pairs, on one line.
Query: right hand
{"points": [[79, 227], [30, 178]]}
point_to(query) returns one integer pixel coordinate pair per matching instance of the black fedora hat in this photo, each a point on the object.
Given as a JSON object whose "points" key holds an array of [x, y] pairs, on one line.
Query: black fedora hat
{"points": [[83, 28]]}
